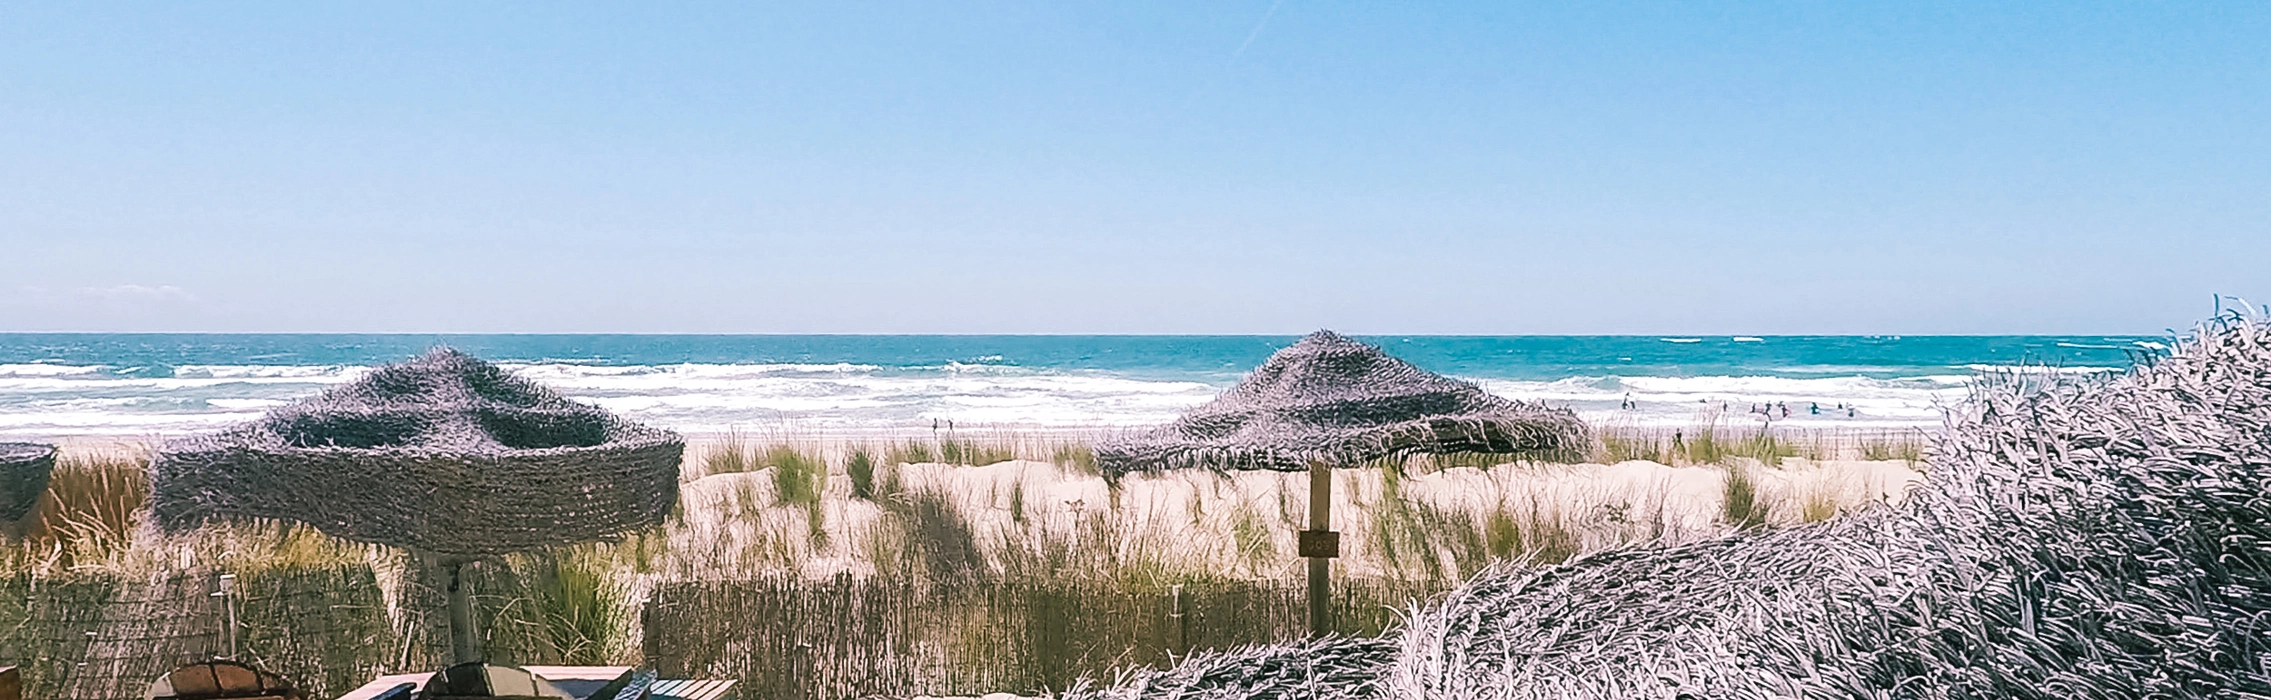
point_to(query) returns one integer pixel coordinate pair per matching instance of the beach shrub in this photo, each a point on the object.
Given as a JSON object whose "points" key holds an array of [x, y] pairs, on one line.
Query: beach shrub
{"points": [[976, 453], [1893, 448], [1741, 505], [913, 452], [859, 466], [729, 455], [580, 607], [799, 477], [1075, 456], [1617, 446]]}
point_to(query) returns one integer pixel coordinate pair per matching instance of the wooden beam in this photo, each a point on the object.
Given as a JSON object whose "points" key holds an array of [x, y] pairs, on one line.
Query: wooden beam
{"points": [[1320, 545]]}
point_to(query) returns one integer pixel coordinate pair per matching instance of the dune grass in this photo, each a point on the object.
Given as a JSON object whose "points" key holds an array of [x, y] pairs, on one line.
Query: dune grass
{"points": [[91, 509], [961, 505], [784, 507]]}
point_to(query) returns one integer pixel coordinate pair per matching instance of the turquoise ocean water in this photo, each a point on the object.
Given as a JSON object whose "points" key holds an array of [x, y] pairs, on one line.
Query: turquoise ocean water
{"points": [[157, 385]]}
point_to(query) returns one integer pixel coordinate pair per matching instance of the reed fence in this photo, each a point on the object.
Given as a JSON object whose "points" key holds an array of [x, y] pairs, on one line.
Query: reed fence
{"points": [[106, 637], [100, 637], [849, 638]]}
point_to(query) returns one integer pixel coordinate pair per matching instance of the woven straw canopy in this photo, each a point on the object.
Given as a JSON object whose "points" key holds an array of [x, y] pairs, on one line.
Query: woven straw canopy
{"points": [[1335, 400], [24, 468], [445, 454]]}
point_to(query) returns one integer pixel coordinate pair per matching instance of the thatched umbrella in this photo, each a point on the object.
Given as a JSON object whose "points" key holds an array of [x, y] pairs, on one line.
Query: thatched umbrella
{"points": [[24, 468], [445, 455], [1329, 401], [2095, 539]]}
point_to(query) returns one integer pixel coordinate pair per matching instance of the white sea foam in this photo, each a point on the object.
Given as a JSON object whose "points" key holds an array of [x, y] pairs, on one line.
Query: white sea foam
{"points": [[47, 370], [57, 400]]}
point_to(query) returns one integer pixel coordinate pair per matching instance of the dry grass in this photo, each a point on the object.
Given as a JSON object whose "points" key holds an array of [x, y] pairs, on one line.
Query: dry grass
{"points": [[94, 518], [905, 509], [775, 505], [787, 508], [93, 505]]}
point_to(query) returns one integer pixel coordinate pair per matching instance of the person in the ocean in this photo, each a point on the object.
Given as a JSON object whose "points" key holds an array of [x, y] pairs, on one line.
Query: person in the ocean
{"points": [[1814, 408], [1849, 412]]}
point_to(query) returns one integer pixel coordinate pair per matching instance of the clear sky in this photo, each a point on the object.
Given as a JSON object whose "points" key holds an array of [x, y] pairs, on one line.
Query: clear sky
{"points": [[1133, 167]]}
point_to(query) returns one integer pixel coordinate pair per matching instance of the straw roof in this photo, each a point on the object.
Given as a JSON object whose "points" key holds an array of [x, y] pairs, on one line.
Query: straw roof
{"points": [[1328, 398], [445, 454], [2075, 539], [24, 468]]}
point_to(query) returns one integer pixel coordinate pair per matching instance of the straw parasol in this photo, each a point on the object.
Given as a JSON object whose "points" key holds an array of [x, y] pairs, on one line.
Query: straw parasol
{"points": [[1334, 400], [1328, 401], [24, 468], [445, 455]]}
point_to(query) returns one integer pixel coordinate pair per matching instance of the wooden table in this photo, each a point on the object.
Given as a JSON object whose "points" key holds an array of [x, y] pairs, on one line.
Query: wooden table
{"points": [[579, 681]]}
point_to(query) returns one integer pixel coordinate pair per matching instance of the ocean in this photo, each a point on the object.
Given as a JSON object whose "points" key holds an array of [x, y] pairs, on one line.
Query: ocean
{"points": [[57, 386]]}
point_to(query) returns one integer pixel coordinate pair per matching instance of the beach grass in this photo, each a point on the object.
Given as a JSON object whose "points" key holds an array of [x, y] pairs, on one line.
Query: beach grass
{"points": [[93, 505], [1024, 511], [779, 503]]}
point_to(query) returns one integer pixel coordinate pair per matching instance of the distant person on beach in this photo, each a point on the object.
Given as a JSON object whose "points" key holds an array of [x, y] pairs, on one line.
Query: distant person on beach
{"points": [[1814, 408]]}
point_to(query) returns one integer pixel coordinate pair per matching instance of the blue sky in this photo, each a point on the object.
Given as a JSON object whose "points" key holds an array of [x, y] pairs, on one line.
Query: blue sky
{"points": [[1154, 167]]}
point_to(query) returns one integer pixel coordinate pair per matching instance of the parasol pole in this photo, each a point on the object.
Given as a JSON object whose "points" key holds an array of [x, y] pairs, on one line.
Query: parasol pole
{"points": [[464, 639], [1320, 544]]}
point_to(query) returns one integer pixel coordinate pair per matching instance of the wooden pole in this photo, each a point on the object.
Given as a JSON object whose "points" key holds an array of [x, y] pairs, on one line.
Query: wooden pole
{"points": [[1320, 544], [1180, 625], [227, 594], [464, 640]]}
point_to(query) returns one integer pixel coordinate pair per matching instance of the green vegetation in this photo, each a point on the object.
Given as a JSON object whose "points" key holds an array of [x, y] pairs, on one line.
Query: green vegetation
{"points": [[799, 476], [859, 464], [1742, 506], [582, 610], [1910, 449], [1076, 456], [730, 455]]}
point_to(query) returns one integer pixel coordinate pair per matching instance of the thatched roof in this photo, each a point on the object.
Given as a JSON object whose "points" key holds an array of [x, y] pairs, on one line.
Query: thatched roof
{"points": [[24, 468], [445, 454], [2108, 539], [1331, 399]]}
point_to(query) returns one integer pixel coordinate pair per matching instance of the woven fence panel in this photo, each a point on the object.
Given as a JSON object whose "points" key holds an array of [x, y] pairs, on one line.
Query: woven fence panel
{"points": [[103, 638], [847, 638]]}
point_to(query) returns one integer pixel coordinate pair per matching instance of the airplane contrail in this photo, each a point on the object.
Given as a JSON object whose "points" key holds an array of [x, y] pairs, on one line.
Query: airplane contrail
{"points": [[1226, 63], [1257, 31]]}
